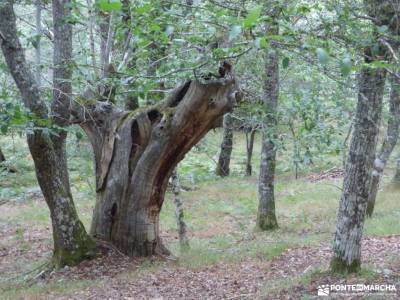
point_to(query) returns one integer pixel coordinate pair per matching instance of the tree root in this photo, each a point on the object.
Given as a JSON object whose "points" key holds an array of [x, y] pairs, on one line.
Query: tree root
{"points": [[31, 276]]}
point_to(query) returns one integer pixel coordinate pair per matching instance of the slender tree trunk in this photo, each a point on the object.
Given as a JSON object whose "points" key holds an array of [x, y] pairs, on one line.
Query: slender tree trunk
{"points": [[91, 37], [176, 187], [250, 135], [71, 243], [38, 38], [388, 144], [131, 184], [396, 177], [266, 218], [105, 30], [226, 148], [2, 157], [62, 85], [357, 180], [2, 160], [359, 166]]}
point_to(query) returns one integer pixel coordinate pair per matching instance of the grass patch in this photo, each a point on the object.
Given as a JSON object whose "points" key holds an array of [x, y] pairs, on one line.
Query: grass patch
{"points": [[42, 290]]}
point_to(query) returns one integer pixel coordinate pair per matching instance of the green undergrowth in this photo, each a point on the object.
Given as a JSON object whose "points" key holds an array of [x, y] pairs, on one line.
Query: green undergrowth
{"points": [[220, 215]]}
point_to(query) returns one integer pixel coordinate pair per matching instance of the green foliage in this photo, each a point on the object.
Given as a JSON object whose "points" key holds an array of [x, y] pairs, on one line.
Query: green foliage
{"points": [[252, 18], [323, 56], [109, 5]]}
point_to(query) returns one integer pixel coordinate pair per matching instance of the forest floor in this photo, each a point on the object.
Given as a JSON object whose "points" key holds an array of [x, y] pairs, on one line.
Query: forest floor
{"points": [[227, 258]]}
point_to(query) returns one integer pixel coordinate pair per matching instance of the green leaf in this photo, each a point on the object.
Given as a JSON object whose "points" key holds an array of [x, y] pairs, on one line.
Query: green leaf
{"points": [[109, 5], [346, 65], [236, 30], [375, 49], [170, 30], [260, 43], [252, 18], [78, 135], [285, 62], [383, 29], [263, 43], [46, 134], [322, 55], [4, 129], [143, 9]]}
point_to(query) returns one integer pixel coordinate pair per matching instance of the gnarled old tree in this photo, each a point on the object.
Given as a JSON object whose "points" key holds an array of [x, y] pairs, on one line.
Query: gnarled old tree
{"points": [[135, 151], [357, 180]]}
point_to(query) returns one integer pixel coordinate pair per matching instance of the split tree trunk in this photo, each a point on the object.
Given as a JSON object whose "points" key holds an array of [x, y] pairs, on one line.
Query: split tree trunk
{"points": [[176, 188], [388, 144], [135, 154], [266, 218], [226, 148], [250, 135], [357, 180], [71, 243]]}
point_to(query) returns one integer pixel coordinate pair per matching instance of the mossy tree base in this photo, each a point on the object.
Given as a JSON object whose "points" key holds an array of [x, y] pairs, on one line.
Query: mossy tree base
{"points": [[268, 222], [84, 248], [340, 266]]}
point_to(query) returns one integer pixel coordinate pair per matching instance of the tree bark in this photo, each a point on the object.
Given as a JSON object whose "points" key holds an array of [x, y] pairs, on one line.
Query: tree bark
{"points": [[396, 177], [388, 144], [357, 180], [250, 135], [226, 148], [2, 160], [137, 154], [2, 157], [105, 31], [38, 19], [91, 37], [266, 218], [179, 215], [71, 243]]}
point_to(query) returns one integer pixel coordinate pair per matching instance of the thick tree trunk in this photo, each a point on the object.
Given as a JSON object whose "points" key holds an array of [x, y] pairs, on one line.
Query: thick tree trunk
{"points": [[137, 154], [226, 148], [250, 135], [71, 243], [176, 188], [388, 144], [266, 218], [357, 180]]}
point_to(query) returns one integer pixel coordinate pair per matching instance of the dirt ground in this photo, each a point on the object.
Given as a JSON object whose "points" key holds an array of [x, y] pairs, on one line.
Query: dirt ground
{"points": [[295, 274]]}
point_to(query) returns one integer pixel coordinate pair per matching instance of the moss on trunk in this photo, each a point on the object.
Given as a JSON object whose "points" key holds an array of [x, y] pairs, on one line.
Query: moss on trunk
{"points": [[340, 266], [84, 248], [267, 222]]}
